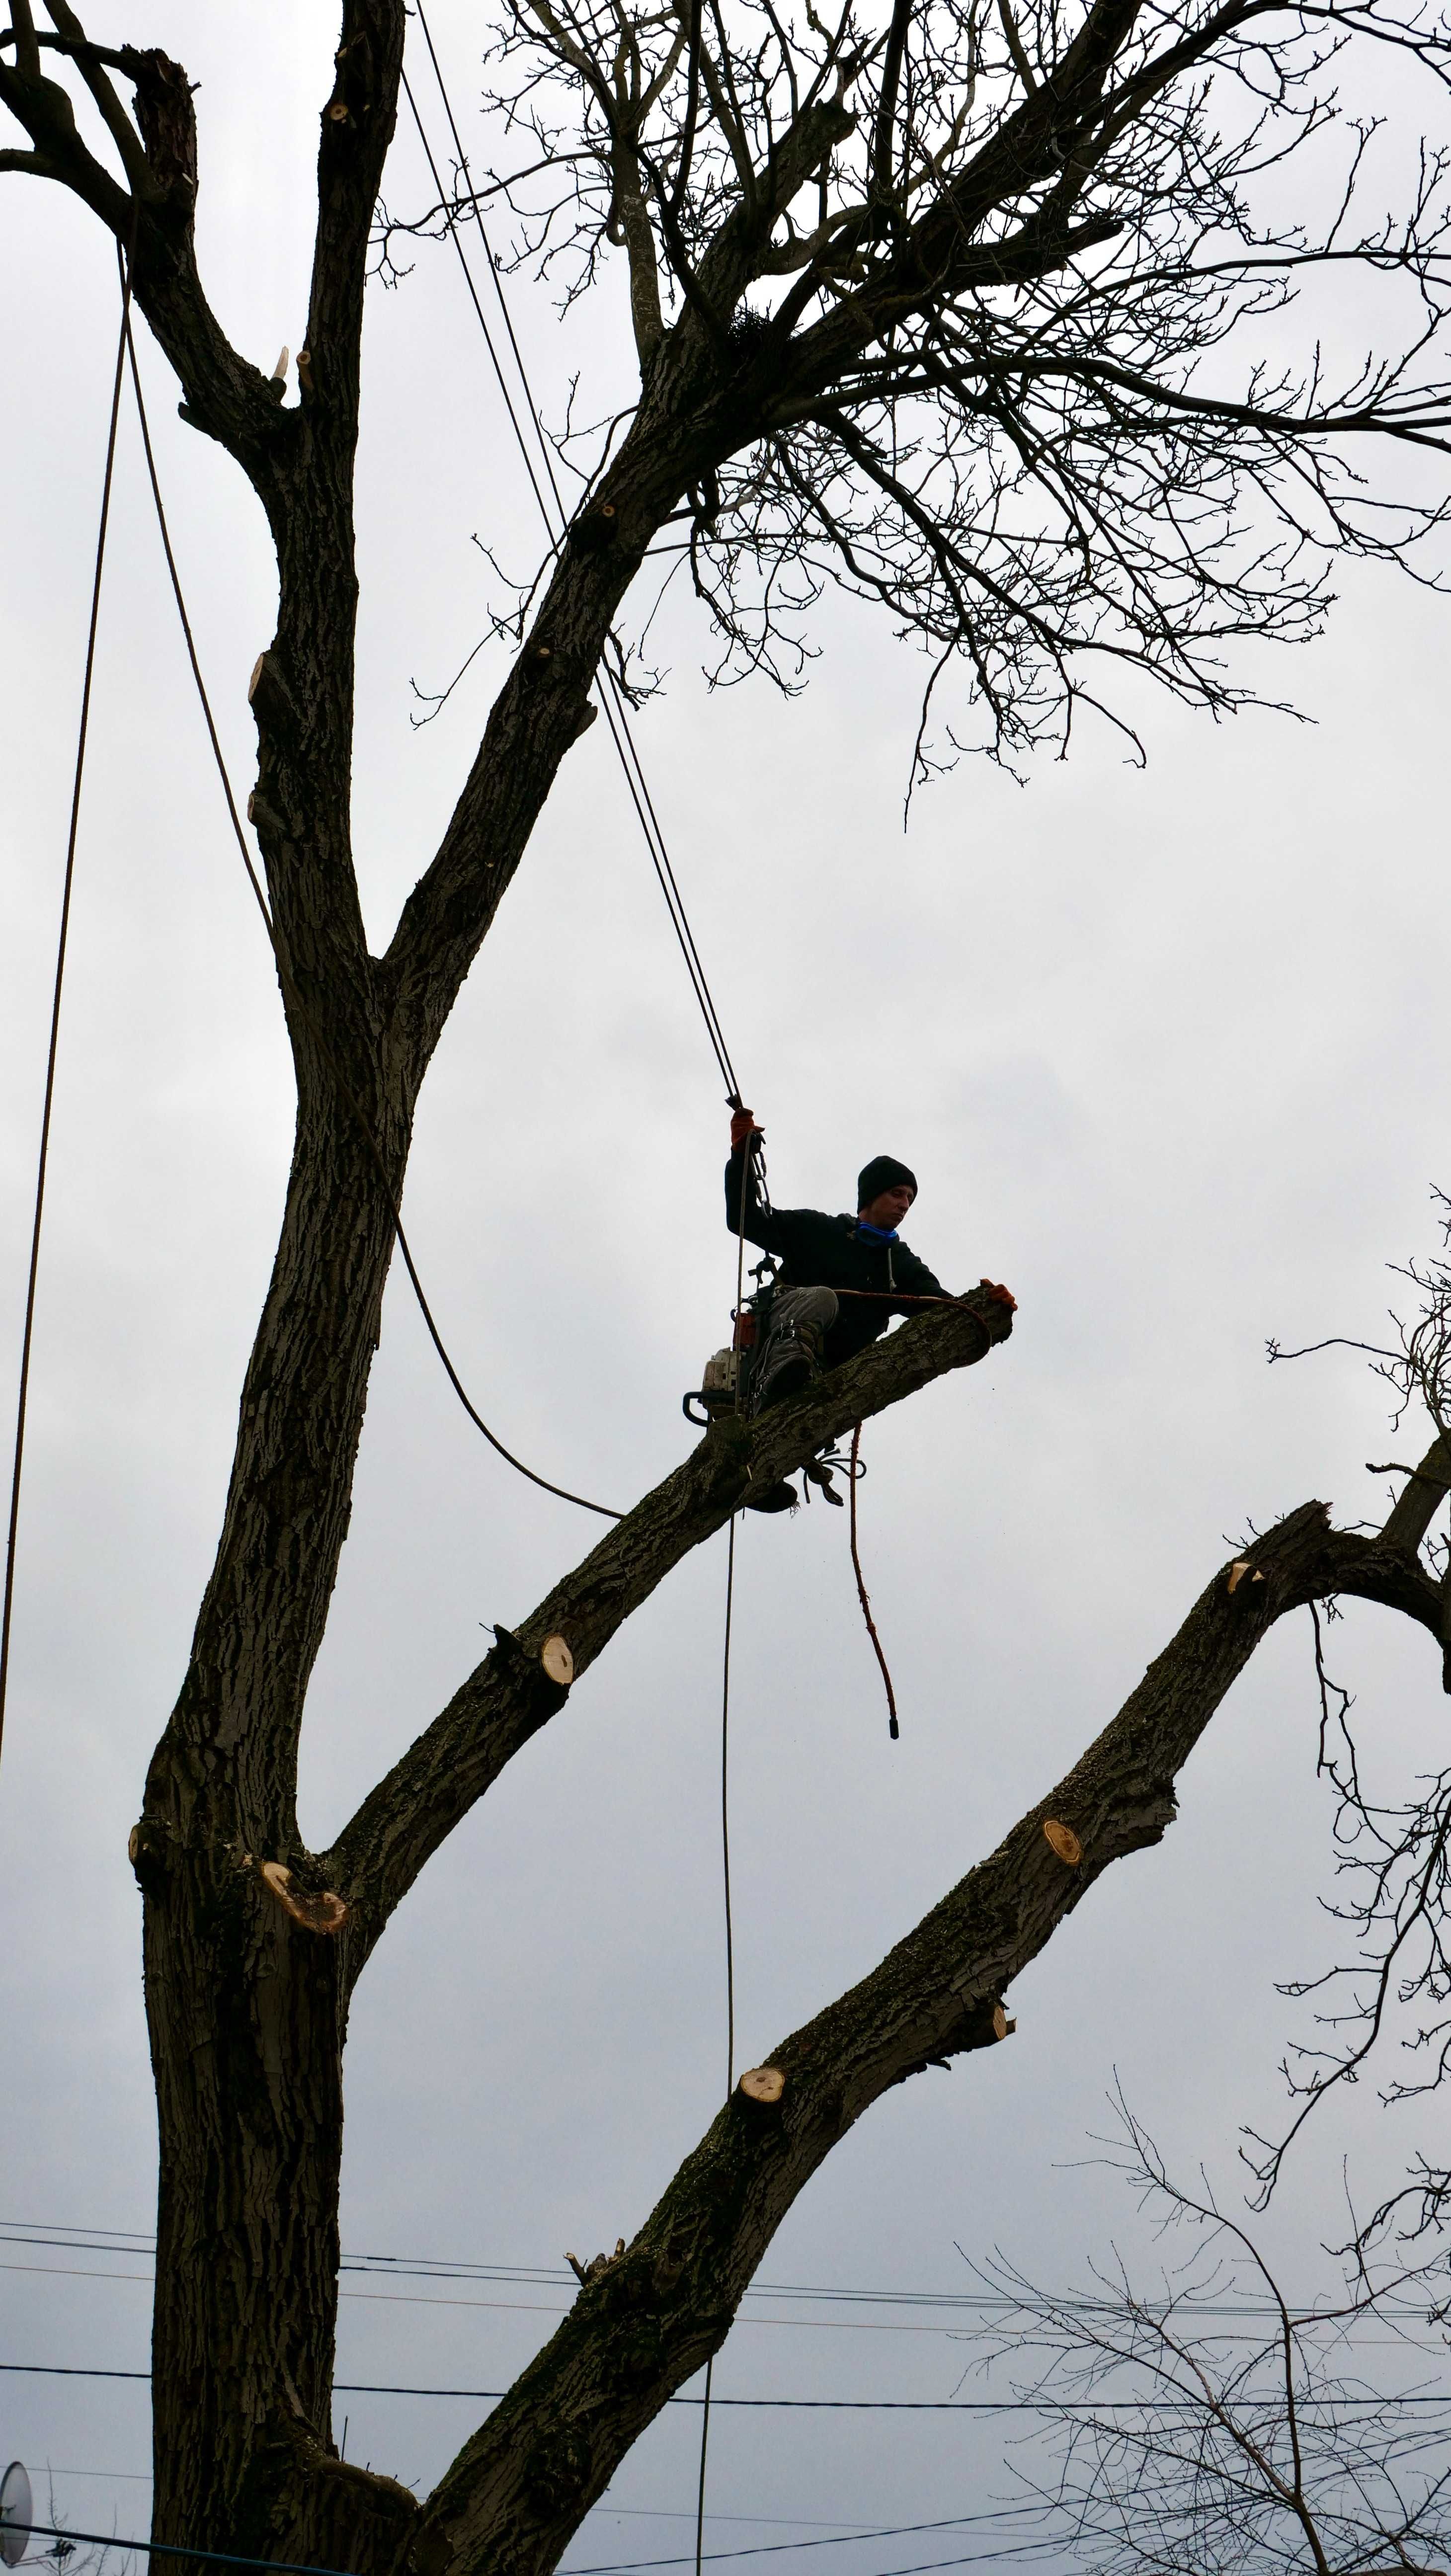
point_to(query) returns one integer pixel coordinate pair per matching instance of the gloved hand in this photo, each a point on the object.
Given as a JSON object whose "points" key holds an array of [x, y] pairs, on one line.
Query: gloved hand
{"points": [[743, 1124], [1003, 1295]]}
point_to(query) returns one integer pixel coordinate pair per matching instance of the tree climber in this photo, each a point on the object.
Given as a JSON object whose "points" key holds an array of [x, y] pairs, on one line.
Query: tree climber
{"points": [[811, 1326]]}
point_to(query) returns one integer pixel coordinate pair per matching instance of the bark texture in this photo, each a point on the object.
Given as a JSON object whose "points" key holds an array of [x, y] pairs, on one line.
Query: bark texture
{"points": [[518, 2491], [252, 1944]]}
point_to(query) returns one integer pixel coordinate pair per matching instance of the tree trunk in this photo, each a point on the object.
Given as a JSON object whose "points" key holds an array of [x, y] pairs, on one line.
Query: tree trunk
{"points": [[246, 2008], [248, 1975]]}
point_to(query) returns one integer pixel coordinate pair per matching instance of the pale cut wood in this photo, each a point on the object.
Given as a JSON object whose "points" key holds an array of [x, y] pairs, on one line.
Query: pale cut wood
{"points": [[324, 1913], [1063, 1840], [557, 1660], [133, 1844], [1001, 2023], [762, 2084]]}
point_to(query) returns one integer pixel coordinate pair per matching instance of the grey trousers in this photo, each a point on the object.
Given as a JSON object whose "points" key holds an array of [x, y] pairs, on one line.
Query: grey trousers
{"points": [[801, 1318]]}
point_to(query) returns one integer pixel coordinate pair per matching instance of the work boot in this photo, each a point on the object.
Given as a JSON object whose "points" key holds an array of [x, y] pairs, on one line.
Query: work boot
{"points": [[790, 1362], [782, 1497], [791, 1375]]}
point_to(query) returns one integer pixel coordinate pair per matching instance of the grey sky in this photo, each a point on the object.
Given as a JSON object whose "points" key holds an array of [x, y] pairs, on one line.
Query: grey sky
{"points": [[1169, 1053]]}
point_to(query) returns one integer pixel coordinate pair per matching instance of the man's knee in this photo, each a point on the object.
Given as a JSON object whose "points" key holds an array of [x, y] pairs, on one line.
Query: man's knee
{"points": [[819, 1306]]}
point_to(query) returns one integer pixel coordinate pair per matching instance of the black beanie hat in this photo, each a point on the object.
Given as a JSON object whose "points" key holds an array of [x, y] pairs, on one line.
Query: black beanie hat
{"points": [[883, 1172]]}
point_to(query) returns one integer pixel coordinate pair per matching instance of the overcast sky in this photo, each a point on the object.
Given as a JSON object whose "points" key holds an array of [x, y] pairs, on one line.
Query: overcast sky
{"points": [[1169, 1053]]}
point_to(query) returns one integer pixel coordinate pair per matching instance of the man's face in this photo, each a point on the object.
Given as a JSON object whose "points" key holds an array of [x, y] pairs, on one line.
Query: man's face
{"points": [[888, 1210]]}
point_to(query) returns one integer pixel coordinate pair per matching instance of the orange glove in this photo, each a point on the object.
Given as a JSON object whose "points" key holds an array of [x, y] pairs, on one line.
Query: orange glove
{"points": [[1003, 1295], [743, 1124]]}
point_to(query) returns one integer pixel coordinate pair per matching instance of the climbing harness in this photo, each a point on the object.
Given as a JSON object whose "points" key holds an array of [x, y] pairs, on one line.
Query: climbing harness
{"points": [[727, 1381]]}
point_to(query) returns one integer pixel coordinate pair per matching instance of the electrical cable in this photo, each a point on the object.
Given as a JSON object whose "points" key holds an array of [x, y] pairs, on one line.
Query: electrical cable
{"points": [[345, 1090], [828, 2541], [762, 2405], [838, 2538], [291, 2567], [174, 2549], [68, 881], [831, 2540], [87, 2239], [1238, 2314]]}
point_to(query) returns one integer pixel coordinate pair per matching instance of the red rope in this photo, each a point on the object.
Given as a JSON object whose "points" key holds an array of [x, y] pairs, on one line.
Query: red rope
{"points": [[856, 1567]]}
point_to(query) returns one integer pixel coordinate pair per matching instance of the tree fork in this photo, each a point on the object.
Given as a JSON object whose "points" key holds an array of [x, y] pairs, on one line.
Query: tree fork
{"points": [[521, 2487]]}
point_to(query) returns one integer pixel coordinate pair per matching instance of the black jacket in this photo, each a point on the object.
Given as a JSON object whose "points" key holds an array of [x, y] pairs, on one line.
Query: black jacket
{"points": [[820, 1251]]}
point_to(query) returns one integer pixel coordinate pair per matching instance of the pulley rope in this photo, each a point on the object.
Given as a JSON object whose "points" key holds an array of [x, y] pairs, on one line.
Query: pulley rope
{"points": [[43, 1157], [294, 997], [611, 696], [852, 1474], [725, 1822], [612, 701]]}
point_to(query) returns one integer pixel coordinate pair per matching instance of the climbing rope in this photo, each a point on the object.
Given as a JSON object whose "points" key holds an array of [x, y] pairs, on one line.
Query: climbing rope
{"points": [[68, 881], [730, 1968], [612, 702], [295, 998], [853, 1475], [725, 1809], [556, 524]]}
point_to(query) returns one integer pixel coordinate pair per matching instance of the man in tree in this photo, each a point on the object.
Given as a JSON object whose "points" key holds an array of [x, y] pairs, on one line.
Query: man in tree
{"points": [[842, 1280], [967, 311]]}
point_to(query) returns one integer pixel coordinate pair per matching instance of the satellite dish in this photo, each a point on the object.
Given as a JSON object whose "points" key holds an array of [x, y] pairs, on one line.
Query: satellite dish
{"points": [[16, 2509]]}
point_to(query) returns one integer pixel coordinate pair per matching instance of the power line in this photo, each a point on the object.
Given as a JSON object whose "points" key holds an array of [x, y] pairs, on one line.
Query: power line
{"points": [[840, 2538], [291, 2567], [448, 2267], [175, 2549], [832, 2540], [774, 2405], [790, 2325], [68, 880], [510, 2307]]}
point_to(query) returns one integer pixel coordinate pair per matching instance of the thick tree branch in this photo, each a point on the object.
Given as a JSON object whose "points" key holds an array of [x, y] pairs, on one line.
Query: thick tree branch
{"points": [[225, 396], [357, 128], [666, 2305], [508, 1697], [1426, 1489], [118, 124], [540, 711]]}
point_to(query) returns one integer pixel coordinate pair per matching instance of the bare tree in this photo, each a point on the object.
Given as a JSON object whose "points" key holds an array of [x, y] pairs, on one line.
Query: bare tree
{"points": [[1209, 2425], [989, 314]]}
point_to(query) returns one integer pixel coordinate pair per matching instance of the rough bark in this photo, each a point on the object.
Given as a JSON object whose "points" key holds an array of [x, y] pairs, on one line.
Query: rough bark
{"points": [[507, 1698], [248, 1975], [519, 2490]]}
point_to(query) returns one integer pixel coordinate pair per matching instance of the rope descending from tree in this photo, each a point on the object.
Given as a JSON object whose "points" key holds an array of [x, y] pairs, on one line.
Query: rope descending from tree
{"points": [[43, 1157], [853, 1472], [295, 999], [612, 697]]}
